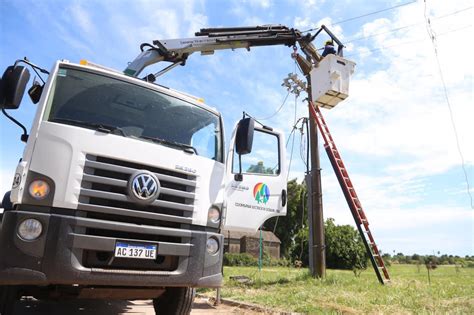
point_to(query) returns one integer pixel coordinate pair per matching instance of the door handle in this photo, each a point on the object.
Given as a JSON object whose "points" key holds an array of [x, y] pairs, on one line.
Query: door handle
{"points": [[283, 197]]}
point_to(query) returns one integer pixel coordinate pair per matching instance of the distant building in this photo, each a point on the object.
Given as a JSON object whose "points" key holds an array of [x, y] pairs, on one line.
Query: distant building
{"points": [[239, 242]]}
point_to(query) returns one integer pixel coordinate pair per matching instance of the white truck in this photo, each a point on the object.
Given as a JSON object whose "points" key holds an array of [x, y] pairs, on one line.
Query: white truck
{"points": [[124, 185]]}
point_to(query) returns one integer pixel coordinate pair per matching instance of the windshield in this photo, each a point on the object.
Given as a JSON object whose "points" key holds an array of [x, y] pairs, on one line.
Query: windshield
{"points": [[110, 105]]}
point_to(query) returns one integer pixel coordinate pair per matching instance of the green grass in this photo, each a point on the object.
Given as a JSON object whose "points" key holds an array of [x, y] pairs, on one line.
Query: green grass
{"points": [[288, 289]]}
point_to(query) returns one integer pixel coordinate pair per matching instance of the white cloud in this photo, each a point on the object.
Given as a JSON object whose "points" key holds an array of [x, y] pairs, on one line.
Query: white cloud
{"points": [[400, 110], [82, 18], [302, 23], [264, 4], [397, 118]]}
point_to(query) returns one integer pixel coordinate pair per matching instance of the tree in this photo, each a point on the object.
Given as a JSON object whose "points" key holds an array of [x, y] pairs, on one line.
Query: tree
{"points": [[387, 259], [289, 225], [259, 168], [401, 258], [300, 250], [344, 247]]}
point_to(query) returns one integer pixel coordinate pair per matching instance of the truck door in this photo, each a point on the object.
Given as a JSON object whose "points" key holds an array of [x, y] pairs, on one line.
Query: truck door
{"points": [[260, 192]]}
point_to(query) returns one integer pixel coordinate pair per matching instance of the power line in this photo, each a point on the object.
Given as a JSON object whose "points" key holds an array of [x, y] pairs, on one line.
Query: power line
{"points": [[291, 156], [372, 13], [408, 42], [294, 127], [364, 15], [302, 221], [292, 133], [407, 26], [383, 33], [293, 141], [433, 37], [277, 110], [292, 147], [304, 143], [302, 146]]}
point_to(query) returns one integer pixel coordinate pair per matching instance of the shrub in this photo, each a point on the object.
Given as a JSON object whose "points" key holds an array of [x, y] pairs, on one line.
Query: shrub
{"points": [[268, 261], [344, 247], [243, 260], [247, 260]]}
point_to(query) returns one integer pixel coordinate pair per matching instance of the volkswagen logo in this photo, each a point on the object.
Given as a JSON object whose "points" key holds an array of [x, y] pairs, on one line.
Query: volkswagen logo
{"points": [[144, 187]]}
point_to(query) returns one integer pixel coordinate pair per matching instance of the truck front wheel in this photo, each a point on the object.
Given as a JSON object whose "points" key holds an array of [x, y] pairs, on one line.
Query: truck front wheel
{"points": [[6, 205], [175, 301], [8, 296]]}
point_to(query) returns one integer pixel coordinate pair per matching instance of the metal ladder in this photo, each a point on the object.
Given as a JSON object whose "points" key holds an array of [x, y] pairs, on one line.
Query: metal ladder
{"points": [[351, 196]]}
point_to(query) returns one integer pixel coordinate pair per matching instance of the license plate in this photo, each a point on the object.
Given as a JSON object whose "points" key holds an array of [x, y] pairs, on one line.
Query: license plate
{"points": [[126, 250]]}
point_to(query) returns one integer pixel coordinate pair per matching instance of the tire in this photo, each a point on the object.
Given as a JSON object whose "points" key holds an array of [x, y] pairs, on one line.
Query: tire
{"points": [[6, 205], [8, 296], [6, 202], [175, 301]]}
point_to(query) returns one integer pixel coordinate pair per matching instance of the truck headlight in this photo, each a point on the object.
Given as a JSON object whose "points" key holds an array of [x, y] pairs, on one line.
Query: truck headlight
{"points": [[30, 229], [212, 245], [214, 215], [39, 189]]}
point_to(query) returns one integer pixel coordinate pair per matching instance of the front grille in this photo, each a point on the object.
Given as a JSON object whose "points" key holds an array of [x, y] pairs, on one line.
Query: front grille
{"points": [[104, 190], [104, 199]]}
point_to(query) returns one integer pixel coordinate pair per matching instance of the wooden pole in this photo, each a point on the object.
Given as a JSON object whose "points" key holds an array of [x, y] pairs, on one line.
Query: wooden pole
{"points": [[317, 250]]}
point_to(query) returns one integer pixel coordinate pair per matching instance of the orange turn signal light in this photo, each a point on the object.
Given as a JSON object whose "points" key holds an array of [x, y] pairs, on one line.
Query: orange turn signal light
{"points": [[39, 189]]}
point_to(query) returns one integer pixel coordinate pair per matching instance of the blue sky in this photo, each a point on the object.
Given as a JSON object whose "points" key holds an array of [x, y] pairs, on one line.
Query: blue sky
{"points": [[394, 131]]}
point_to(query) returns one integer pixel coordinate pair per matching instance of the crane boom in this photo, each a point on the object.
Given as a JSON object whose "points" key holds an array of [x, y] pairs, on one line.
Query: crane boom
{"points": [[209, 40]]}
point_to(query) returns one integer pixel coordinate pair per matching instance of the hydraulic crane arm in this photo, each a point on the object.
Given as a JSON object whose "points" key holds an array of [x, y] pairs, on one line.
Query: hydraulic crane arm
{"points": [[211, 39]]}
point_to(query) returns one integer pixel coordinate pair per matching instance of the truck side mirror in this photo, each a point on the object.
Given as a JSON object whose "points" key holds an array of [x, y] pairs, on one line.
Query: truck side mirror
{"points": [[243, 142], [35, 92], [244, 136], [13, 86]]}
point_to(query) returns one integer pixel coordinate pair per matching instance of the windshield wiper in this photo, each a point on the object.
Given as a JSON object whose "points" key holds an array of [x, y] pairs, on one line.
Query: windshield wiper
{"points": [[186, 147], [98, 127]]}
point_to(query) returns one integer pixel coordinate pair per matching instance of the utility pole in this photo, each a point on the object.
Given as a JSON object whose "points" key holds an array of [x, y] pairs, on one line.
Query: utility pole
{"points": [[317, 254], [317, 250]]}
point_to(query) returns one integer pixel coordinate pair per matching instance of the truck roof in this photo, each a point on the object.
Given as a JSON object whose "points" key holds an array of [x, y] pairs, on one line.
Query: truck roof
{"points": [[158, 87]]}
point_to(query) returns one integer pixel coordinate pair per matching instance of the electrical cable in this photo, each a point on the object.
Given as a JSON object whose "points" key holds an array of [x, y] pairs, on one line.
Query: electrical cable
{"points": [[408, 42], [302, 221], [294, 128], [382, 33], [289, 167], [291, 154], [292, 143], [278, 109], [372, 13], [295, 123], [406, 26], [433, 38], [364, 15], [302, 144], [307, 145], [291, 157]]}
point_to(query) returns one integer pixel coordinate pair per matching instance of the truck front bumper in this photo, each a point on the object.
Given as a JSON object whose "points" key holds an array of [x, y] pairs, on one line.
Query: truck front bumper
{"points": [[57, 256]]}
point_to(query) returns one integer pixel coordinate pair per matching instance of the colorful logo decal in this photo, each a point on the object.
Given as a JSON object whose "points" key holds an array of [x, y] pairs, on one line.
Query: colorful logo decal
{"points": [[261, 193]]}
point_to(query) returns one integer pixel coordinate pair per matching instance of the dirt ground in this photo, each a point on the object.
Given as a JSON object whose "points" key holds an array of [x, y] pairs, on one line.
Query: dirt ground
{"points": [[30, 306]]}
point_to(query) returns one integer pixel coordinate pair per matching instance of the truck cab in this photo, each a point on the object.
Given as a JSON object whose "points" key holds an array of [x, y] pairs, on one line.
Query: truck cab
{"points": [[124, 186]]}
